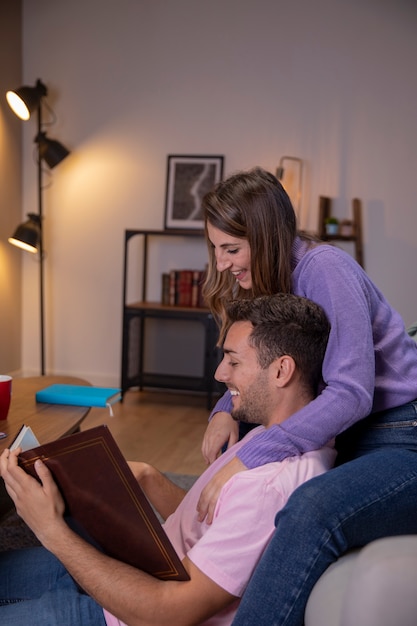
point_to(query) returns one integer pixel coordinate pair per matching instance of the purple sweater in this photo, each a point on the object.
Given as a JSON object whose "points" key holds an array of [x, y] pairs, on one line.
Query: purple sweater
{"points": [[370, 362]]}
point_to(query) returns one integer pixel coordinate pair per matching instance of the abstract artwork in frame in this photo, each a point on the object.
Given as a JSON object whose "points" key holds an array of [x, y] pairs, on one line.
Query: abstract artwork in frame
{"points": [[189, 178]]}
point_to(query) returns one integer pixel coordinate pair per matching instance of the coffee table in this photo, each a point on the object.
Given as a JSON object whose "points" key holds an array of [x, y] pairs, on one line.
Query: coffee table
{"points": [[48, 421]]}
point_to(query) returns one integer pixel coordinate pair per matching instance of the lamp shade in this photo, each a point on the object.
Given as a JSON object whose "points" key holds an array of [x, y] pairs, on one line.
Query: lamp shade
{"points": [[50, 150], [25, 100], [28, 235]]}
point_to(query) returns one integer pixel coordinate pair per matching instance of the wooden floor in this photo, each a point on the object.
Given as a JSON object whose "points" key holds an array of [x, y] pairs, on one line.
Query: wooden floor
{"points": [[161, 428]]}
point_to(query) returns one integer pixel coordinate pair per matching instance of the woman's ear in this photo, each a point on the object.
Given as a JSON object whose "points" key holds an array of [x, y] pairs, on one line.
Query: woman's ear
{"points": [[285, 369]]}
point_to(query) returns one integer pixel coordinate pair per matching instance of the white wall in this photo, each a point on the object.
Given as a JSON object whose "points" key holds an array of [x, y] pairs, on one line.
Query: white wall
{"points": [[333, 82]]}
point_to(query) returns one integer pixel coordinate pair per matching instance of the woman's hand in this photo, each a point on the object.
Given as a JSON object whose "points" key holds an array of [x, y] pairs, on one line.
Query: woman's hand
{"points": [[210, 494], [221, 429]]}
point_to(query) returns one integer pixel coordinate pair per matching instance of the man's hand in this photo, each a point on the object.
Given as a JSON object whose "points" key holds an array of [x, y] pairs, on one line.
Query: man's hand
{"points": [[221, 429], [163, 494], [40, 505], [140, 470], [210, 494]]}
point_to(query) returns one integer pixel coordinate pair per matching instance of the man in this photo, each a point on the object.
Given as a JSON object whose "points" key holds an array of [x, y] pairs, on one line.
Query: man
{"points": [[273, 353]]}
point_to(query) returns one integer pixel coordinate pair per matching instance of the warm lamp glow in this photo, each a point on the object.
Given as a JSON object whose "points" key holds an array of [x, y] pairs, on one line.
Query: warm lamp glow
{"points": [[25, 100], [21, 244], [27, 235], [17, 105]]}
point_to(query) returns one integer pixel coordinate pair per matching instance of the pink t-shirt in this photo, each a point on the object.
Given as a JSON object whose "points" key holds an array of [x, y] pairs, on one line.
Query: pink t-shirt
{"points": [[228, 550]]}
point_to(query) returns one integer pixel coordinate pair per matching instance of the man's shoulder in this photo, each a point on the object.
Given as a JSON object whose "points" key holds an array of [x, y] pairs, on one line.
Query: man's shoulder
{"points": [[286, 474]]}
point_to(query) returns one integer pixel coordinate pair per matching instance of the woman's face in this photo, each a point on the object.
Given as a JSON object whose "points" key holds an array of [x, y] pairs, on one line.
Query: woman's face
{"points": [[232, 255]]}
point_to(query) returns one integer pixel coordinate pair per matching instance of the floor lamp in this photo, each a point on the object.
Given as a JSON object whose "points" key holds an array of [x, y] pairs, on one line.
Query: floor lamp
{"points": [[293, 184], [29, 236]]}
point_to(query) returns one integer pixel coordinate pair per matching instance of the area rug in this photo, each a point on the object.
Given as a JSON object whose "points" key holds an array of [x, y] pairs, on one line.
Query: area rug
{"points": [[14, 533]]}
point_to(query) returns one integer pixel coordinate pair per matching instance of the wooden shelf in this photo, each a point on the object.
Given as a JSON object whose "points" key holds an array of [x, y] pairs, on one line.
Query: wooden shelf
{"points": [[325, 205], [135, 316]]}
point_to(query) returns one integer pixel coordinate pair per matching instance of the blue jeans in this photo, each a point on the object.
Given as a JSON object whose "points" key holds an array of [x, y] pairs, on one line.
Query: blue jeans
{"points": [[36, 589], [371, 496]]}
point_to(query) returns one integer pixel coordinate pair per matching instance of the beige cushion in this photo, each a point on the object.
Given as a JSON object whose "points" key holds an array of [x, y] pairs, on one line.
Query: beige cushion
{"points": [[324, 606], [375, 586]]}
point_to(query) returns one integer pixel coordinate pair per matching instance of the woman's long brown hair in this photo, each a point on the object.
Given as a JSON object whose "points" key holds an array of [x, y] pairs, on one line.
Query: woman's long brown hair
{"points": [[251, 205]]}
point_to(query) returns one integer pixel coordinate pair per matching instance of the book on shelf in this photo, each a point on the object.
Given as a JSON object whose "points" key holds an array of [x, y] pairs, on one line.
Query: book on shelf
{"points": [[165, 289], [183, 288], [174, 279], [79, 395], [104, 502], [196, 285], [201, 303]]}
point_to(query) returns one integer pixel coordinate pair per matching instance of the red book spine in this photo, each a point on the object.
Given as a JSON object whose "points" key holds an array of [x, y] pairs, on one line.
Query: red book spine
{"points": [[172, 287], [195, 288], [184, 287], [165, 289]]}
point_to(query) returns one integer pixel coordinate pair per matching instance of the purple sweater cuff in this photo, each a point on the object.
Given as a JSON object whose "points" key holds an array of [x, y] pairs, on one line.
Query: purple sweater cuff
{"points": [[267, 447], [223, 404]]}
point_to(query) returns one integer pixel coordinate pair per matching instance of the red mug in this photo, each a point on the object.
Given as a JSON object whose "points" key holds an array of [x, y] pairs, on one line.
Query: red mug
{"points": [[5, 395]]}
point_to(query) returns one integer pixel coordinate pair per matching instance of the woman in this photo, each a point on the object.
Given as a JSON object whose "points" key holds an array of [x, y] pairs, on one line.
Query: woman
{"points": [[370, 376]]}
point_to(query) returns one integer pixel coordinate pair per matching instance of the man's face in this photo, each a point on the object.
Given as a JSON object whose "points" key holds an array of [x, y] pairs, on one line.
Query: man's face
{"points": [[250, 385]]}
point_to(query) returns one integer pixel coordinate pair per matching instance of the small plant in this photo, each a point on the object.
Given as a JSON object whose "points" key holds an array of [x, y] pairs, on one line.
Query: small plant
{"points": [[331, 225], [331, 220]]}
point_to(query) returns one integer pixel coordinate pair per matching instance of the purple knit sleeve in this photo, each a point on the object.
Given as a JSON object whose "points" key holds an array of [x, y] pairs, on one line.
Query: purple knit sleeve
{"points": [[223, 404]]}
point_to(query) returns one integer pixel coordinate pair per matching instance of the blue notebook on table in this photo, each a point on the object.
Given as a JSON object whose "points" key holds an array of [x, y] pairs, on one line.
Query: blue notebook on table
{"points": [[79, 395]]}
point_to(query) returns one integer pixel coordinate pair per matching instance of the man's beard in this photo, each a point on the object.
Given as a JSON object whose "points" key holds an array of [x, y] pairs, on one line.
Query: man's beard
{"points": [[242, 415], [254, 403]]}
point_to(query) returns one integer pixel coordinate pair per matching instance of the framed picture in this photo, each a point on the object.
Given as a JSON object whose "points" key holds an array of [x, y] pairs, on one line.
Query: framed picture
{"points": [[189, 178]]}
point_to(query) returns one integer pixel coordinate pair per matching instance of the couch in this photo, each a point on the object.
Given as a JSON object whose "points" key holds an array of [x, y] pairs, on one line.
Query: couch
{"points": [[372, 586]]}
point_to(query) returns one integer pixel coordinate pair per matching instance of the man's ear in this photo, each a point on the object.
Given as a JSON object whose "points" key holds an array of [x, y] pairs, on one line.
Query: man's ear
{"points": [[285, 369]]}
